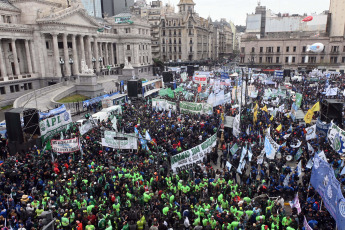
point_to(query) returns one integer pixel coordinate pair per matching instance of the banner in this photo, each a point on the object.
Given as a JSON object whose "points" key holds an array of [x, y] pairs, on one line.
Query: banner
{"points": [[190, 158], [200, 79], [227, 98], [119, 140], [298, 100], [56, 124], [328, 187], [311, 133], [65, 146], [254, 94], [271, 147], [163, 104], [322, 128], [219, 98], [53, 112], [85, 127], [236, 126], [234, 149], [336, 137], [199, 108], [229, 121]]}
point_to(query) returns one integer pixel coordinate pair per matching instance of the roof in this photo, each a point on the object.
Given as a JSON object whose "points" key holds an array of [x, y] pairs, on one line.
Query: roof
{"points": [[186, 2], [5, 5], [123, 14]]}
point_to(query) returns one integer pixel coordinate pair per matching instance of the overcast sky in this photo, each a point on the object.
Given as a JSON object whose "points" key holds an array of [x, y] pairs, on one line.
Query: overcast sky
{"points": [[236, 10]]}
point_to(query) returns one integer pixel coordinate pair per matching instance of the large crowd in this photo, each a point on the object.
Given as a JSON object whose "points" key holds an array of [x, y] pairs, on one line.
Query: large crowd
{"points": [[105, 188]]}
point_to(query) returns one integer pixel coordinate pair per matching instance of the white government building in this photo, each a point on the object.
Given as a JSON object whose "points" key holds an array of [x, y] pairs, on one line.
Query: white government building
{"points": [[42, 42]]}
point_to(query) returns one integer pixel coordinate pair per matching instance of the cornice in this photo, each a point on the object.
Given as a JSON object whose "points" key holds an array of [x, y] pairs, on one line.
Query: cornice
{"points": [[40, 1]]}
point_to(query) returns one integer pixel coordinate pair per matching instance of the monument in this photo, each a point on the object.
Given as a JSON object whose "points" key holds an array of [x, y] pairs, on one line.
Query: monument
{"points": [[128, 70], [87, 83]]}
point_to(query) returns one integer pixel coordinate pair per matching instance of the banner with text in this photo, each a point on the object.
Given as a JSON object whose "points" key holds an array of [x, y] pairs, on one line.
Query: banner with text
{"points": [[53, 125], [119, 140], [65, 146], [191, 107], [188, 159]]}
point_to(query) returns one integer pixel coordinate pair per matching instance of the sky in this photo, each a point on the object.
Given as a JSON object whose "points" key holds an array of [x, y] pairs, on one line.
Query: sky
{"points": [[236, 10]]}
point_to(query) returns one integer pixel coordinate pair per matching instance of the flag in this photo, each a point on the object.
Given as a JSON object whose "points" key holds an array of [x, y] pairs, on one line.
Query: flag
{"points": [[311, 133], [269, 149], [255, 117], [234, 149], [342, 171], [228, 166], [250, 154], [310, 148], [306, 225], [243, 154], [299, 168], [147, 136], [169, 115], [81, 149], [316, 107], [298, 154], [286, 180], [199, 88], [295, 204], [322, 156], [310, 164], [290, 129], [308, 116], [271, 119], [61, 137], [264, 109], [279, 128]]}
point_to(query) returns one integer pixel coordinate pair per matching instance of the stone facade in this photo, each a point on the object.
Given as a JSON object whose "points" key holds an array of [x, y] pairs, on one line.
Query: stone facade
{"points": [[43, 41]]}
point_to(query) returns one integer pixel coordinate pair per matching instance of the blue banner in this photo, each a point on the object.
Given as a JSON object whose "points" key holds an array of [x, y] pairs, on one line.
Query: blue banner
{"points": [[53, 112], [325, 183], [224, 75], [322, 128]]}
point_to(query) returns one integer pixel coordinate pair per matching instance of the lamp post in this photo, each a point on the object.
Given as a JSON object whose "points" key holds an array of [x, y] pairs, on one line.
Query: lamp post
{"points": [[71, 63], [62, 62], [94, 63], [100, 59]]}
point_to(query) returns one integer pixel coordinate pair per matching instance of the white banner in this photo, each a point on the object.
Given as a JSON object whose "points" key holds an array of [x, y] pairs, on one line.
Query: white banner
{"points": [[119, 140], [85, 127], [50, 126], [163, 104], [236, 126], [65, 146], [227, 98], [200, 79], [336, 137], [229, 121], [311, 133], [188, 159]]}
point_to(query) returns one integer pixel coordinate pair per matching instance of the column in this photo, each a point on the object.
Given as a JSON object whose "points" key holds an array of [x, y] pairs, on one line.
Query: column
{"points": [[89, 52], [106, 54], [2, 63], [33, 57], [66, 55], [117, 54], [95, 49], [75, 56], [56, 55], [100, 53], [28, 56], [82, 47], [112, 62], [15, 56]]}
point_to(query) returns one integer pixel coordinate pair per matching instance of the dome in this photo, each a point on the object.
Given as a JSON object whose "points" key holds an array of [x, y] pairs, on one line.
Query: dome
{"points": [[190, 2]]}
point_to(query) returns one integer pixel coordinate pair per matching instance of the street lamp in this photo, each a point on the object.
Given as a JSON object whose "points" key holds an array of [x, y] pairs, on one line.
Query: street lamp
{"points": [[62, 62], [71, 63], [94, 63], [100, 59]]}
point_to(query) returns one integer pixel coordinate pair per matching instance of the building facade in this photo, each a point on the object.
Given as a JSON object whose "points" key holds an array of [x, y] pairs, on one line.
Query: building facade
{"points": [[93, 7], [42, 48], [283, 42]]}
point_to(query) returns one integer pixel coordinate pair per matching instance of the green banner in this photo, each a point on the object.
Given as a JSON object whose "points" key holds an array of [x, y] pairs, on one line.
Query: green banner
{"points": [[53, 125], [298, 100], [199, 108]]}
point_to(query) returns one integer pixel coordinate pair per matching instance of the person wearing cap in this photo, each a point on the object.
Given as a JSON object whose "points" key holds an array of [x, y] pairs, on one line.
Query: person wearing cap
{"points": [[65, 221]]}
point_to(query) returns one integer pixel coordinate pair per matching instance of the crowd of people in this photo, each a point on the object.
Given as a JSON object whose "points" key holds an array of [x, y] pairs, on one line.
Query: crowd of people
{"points": [[105, 188]]}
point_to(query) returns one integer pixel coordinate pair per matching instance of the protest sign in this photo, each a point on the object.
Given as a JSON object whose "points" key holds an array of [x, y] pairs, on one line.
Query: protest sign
{"points": [[65, 146]]}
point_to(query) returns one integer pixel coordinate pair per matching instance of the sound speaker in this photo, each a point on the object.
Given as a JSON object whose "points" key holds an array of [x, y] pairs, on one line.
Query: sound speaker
{"points": [[190, 70], [167, 77], [13, 125], [331, 110], [31, 121], [140, 86], [132, 87]]}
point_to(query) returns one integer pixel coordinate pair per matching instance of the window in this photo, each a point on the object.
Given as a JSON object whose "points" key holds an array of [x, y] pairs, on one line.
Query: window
{"points": [[147, 59], [127, 30], [253, 49], [303, 59], [190, 49], [334, 60], [278, 49], [293, 59], [242, 49], [294, 49], [30, 85], [312, 59], [179, 49], [322, 58], [128, 47], [334, 49], [269, 49], [163, 49], [287, 49], [170, 49], [344, 49], [343, 60], [304, 49], [286, 59], [129, 59], [139, 59], [2, 90], [260, 59], [261, 49], [47, 46], [25, 86], [10, 47], [12, 88], [277, 59], [16, 87], [268, 59], [115, 31]]}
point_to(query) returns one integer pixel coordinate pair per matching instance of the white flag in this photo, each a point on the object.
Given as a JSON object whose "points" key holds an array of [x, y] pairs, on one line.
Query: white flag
{"points": [[310, 148], [322, 156], [286, 180], [311, 132], [310, 164], [342, 171], [228, 166], [299, 168]]}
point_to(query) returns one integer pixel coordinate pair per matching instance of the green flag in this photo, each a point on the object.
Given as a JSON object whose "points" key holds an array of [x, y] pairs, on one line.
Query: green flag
{"points": [[298, 154], [298, 100]]}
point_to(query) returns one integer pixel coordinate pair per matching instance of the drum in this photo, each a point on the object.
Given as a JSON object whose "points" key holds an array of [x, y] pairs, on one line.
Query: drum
{"points": [[289, 158]]}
